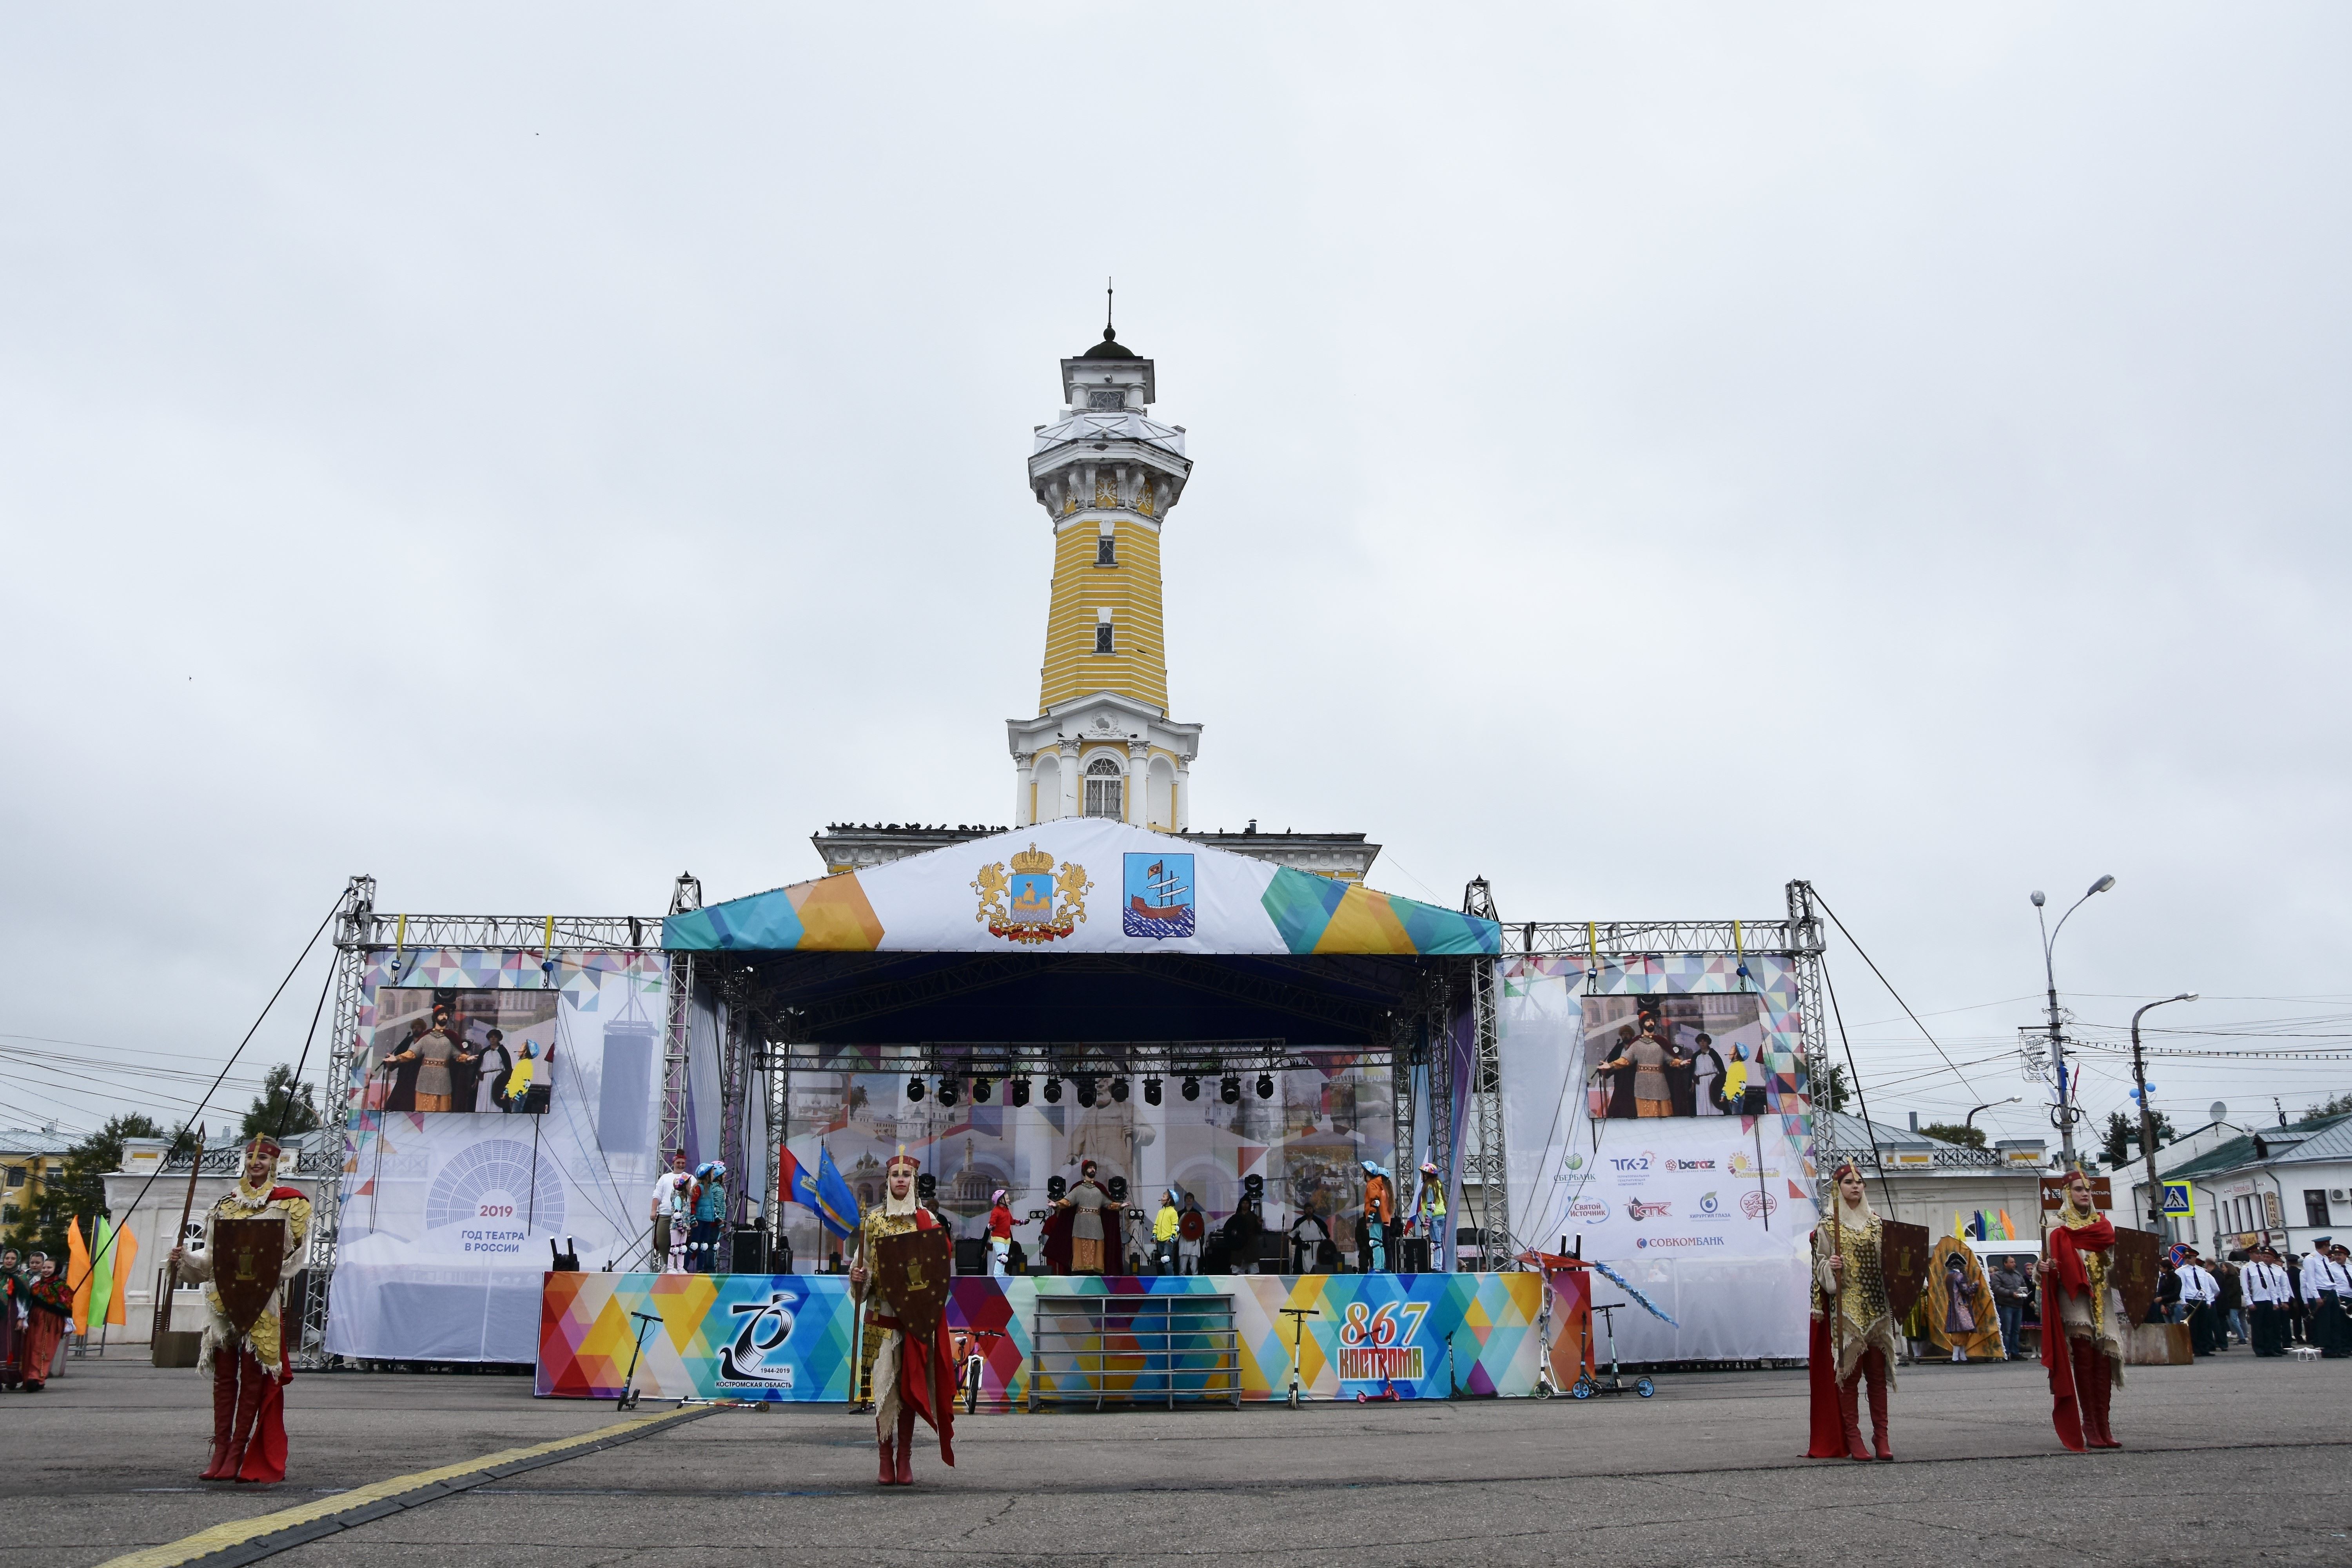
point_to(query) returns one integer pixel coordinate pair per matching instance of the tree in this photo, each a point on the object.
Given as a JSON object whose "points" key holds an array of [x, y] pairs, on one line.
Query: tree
{"points": [[1830, 1087], [2335, 1105], [80, 1191], [2122, 1137], [1954, 1133], [283, 1108]]}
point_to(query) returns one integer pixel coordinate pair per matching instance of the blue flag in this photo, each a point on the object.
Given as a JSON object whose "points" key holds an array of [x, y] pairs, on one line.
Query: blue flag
{"points": [[827, 1194]]}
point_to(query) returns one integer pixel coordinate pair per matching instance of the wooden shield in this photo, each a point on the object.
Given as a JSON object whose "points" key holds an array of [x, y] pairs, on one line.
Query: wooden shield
{"points": [[2131, 1269], [246, 1256], [1902, 1252], [914, 1270]]}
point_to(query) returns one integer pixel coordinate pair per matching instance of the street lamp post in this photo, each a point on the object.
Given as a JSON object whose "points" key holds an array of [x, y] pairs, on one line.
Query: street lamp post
{"points": [[2066, 1114], [1988, 1105], [2147, 1117]]}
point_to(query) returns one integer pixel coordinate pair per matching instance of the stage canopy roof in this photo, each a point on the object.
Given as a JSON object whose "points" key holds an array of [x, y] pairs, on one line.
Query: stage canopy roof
{"points": [[1080, 885], [1084, 930]]}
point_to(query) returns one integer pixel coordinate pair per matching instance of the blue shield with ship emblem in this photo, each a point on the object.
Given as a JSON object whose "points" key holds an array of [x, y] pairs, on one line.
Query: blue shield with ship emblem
{"points": [[1157, 896], [1032, 894]]}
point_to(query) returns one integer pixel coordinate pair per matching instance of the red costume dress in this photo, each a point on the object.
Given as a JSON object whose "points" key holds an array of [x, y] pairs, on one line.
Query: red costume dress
{"points": [[913, 1373], [49, 1317], [2082, 1328], [249, 1370], [1852, 1336]]}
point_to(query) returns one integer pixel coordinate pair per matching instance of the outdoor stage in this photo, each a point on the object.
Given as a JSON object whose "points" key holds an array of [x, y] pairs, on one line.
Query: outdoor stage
{"points": [[788, 1337]]}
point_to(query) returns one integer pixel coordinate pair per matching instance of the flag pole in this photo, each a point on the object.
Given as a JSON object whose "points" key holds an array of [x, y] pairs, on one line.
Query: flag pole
{"points": [[180, 1237]]}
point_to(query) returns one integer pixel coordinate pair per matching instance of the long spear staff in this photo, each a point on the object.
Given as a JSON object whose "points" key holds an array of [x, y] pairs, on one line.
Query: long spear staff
{"points": [[171, 1264]]}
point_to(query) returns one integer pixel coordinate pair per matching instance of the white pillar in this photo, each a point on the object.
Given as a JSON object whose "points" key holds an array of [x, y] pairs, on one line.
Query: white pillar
{"points": [[1024, 779], [1071, 798], [1181, 798], [1138, 783]]}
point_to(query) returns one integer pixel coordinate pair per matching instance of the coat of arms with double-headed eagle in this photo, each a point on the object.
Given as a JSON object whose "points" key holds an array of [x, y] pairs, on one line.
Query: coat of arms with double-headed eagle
{"points": [[1037, 901]]}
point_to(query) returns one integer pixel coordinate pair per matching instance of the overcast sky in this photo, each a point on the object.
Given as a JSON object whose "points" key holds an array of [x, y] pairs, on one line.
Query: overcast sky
{"points": [[1644, 455]]}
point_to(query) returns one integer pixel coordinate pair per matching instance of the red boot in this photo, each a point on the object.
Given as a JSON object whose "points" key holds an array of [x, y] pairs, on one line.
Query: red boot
{"points": [[889, 1475], [223, 1467], [905, 1446], [1873, 1367], [1850, 1417], [2101, 1390]]}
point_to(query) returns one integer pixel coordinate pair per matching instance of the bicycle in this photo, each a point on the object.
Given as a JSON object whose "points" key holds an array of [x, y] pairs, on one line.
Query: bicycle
{"points": [[974, 1356]]}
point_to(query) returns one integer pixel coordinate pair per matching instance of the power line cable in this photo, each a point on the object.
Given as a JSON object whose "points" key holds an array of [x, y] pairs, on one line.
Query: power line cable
{"points": [[1891, 991]]}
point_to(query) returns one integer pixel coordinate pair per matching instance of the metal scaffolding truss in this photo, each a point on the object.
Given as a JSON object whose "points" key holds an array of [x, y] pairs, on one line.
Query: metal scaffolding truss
{"points": [[1487, 1095], [1800, 934], [354, 925], [530, 934]]}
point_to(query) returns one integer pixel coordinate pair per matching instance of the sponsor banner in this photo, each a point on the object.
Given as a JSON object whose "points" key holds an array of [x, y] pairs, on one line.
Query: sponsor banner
{"points": [[787, 1337]]}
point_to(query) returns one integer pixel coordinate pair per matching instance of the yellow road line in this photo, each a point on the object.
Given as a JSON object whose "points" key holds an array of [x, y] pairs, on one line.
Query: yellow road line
{"points": [[239, 1531]]}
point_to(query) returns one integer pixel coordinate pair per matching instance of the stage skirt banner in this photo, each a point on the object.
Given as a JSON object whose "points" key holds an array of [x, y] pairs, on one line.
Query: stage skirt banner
{"points": [[457, 1173], [788, 1337], [1624, 1090], [1080, 885]]}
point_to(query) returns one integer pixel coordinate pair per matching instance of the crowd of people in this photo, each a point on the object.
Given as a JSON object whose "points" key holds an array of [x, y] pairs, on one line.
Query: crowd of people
{"points": [[36, 1313], [2259, 1298]]}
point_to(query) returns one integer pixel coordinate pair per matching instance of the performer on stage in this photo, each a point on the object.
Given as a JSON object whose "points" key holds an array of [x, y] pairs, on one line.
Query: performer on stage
{"points": [[913, 1373], [434, 1052], [248, 1370], [1086, 1201], [2082, 1322], [1649, 1056], [673, 1215], [1000, 1235], [1431, 1215], [1854, 1329], [1379, 1212], [709, 1217]]}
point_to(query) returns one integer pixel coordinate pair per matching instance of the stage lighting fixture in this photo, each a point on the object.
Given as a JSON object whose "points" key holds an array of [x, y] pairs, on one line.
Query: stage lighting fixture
{"points": [[1053, 1091], [1229, 1090], [1151, 1092], [927, 1186], [1055, 1189], [1118, 1089], [980, 1091], [1086, 1091], [1017, 1091], [947, 1091], [914, 1088], [1192, 1087], [1265, 1086]]}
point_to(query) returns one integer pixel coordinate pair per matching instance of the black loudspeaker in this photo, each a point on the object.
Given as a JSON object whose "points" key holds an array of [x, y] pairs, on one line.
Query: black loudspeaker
{"points": [[971, 1256], [1017, 1258], [1116, 1188], [1412, 1254], [751, 1250], [1215, 1256], [1751, 1101]]}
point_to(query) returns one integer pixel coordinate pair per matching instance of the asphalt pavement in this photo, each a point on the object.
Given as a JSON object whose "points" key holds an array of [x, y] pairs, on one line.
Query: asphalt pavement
{"points": [[2229, 1459]]}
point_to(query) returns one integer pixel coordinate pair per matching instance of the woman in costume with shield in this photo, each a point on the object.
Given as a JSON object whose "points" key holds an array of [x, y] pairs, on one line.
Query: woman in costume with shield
{"points": [[913, 1375], [244, 1351], [2082, 1321], [1854, 1327]]}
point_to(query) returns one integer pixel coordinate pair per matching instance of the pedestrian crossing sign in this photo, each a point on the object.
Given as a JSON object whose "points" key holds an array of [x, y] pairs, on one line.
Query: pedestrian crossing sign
{"points": [[2179, 1200]]}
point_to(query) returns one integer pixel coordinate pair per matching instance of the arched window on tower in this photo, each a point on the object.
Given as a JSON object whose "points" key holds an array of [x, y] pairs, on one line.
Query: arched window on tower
{"points": [[1103, 781]]}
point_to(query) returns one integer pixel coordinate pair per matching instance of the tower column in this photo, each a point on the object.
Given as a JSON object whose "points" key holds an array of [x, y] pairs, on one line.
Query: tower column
{"points": [[1070, 786], [1180, 801], [1024, 786], [1139, 783]]}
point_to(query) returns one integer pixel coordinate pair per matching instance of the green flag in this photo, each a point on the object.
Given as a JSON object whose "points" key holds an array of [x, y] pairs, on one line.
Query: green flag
{"points": [[101, 1272]]}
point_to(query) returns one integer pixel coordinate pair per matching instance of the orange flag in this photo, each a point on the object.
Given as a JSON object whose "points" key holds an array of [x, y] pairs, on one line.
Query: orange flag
{"points": [[77, 1275], [126, 1253]]}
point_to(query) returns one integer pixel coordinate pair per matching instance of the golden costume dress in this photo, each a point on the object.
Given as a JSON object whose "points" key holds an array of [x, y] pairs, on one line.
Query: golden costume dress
{"points": [[911, 1374], [248, 1370], [1853, 1337]]}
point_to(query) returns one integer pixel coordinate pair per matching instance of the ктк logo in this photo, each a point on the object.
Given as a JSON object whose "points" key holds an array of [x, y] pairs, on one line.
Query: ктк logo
{"points": [[1636, 1209], [1034, 903]]}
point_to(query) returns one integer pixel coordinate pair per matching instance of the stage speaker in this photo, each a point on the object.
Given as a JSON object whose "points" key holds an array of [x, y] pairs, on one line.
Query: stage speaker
{"points": [[750, 1253], [1412, 1254], [971, 1255], [1751, 1101], [624, 1096]]}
